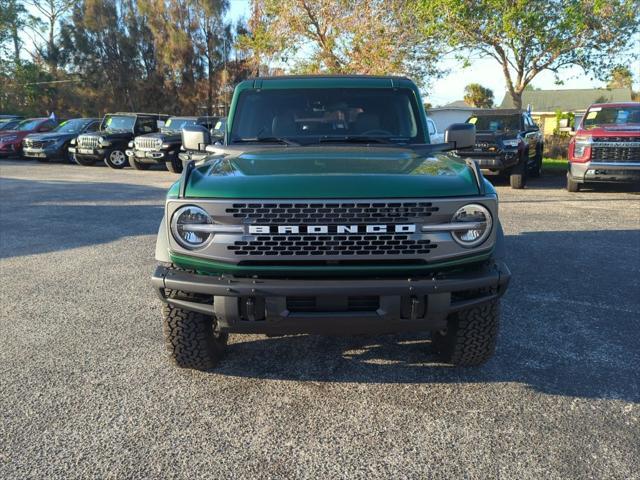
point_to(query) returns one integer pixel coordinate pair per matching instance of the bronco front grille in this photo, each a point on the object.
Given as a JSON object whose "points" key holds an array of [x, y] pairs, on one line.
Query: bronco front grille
{"points": [[331, 213], [313, 245], [148, 143], [88, 141]]}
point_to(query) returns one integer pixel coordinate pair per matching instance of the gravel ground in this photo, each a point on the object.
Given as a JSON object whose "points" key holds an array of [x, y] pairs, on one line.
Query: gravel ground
{"points": [[87, 391]]}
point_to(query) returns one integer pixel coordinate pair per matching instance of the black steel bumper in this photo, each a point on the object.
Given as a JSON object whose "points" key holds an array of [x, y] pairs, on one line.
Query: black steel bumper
{"points": [[497, 161], [349, 306]]}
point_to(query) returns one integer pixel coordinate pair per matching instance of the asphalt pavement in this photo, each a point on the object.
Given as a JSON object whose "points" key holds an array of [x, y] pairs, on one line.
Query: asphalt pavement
{"points": [[86, 389]]}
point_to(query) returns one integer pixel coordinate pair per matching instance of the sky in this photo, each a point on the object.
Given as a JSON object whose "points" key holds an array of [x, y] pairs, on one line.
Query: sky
{"points": [[484, 71]]}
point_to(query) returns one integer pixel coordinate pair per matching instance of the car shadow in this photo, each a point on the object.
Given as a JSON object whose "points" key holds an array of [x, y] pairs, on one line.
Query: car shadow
{"points": [[46, 216], [570, 326], [554, 180]]}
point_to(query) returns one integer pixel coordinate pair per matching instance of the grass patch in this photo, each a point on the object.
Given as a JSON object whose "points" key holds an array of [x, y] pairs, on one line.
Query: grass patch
{"points": [[554, 165]]}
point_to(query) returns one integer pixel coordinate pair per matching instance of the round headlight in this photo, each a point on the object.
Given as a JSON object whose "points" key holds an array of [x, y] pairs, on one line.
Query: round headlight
{"points": [[130, 144], [101, 139], [189, 226], [479, 220]]}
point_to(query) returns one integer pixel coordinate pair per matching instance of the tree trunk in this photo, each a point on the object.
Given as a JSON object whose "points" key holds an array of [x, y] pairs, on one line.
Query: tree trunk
{"points": [[517, 100]]}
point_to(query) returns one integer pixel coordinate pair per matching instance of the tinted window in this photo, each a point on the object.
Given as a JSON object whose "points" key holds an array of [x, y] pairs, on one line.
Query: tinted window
{"points": [[612, 115], [92, 127], [147, 125], [26, 125], [495, 123], [305, 115], [71, 126], [176, 124], [118, 122]]}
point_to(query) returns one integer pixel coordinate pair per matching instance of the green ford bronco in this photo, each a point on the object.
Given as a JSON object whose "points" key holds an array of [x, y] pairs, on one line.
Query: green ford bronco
{"points": [[326, 210]]}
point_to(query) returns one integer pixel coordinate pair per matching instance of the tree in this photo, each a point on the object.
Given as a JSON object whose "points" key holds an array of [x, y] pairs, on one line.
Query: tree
{"points": [[478, 96], [620, 77], [45, 41], [527, 37], [339, 36]]}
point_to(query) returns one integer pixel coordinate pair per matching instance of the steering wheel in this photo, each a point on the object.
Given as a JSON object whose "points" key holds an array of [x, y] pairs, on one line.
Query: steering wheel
{"points": [[376, 131]]}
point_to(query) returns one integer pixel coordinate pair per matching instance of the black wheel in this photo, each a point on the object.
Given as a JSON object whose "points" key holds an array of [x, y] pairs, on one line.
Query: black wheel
{"points": [[191, 338], [470, 337], [66, 156], [536, 169], [85, 162], [174, 165], [137, 165], [116, 159], [518, 175], [572, 185]]}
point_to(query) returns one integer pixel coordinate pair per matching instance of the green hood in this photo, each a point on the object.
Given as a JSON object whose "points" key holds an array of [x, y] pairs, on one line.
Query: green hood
{"points": [[331, 172]]}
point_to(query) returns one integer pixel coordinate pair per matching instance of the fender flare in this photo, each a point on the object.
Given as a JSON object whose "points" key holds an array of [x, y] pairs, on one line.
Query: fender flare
{"points": [[162, 243]]}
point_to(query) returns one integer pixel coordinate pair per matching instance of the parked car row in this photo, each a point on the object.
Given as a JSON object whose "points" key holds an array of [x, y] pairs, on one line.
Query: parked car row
{"points": [[606, 147], [120, 139]]}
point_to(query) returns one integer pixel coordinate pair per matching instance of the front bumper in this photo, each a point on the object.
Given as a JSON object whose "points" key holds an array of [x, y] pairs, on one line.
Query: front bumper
{"points": [[150, 156], [49, 152], [605, 172], [277, 306], [95, 154], [496, 161]]}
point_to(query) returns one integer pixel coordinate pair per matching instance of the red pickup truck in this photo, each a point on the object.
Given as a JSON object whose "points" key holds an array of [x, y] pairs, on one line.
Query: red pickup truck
{"points": [[606, 147]]}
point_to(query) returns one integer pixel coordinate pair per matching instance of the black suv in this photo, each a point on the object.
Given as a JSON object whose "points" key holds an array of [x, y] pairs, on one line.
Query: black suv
{"points": [[55, 144], [508, 142], [110, 142], [163, 146]]}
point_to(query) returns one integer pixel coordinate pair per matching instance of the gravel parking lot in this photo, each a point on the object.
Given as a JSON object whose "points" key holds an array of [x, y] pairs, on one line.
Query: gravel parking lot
{"points": [[86, 390]]}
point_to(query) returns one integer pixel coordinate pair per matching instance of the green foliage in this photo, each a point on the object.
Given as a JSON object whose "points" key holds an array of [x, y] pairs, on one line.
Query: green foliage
{"points": [[478, 96], [339, 36], [620, 77], [527, 37], [569, 116]]}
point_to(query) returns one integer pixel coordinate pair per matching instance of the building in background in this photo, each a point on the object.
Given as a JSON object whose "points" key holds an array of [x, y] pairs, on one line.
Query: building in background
{"points": [[454, 112], [545, 103]]}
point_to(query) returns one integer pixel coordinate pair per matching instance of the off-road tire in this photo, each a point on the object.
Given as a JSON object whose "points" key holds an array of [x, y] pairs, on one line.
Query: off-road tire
{"points": [[190, 337], [536, 171], [572, 185], [137, 165], [84, 162], [470, 337], [518, 176], [112, 155], [174, 166]]}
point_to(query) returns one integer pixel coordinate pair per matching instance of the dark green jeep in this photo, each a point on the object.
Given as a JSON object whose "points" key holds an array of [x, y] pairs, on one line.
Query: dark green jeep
{"points": [[328, 211]]}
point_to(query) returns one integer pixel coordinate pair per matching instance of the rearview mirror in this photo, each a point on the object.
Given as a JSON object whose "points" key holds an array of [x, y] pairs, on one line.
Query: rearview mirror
{"points": [[462, 135]]}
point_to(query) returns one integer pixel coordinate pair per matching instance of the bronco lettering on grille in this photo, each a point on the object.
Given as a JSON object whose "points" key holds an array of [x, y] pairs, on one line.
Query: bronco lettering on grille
{"points": [[326, 229]]}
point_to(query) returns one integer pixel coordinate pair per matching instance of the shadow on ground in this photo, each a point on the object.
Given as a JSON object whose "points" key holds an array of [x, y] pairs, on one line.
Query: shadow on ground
{"points": [[46, 216], [570, 326]]}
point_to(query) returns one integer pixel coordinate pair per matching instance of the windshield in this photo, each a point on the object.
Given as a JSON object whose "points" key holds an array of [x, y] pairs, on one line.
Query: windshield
{"points": [[118, 122], [495, 123], [308, 115], [176, 124], [612, 116], [26, 125], [71, 126]]}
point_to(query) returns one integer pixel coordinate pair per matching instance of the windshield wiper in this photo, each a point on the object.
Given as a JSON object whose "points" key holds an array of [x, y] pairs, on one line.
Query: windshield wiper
{"points": [[265, 140]]}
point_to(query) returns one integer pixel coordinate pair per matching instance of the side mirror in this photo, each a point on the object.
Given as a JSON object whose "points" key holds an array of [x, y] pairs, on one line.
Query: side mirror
{"points": [[195, 137], [462, 135]]}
